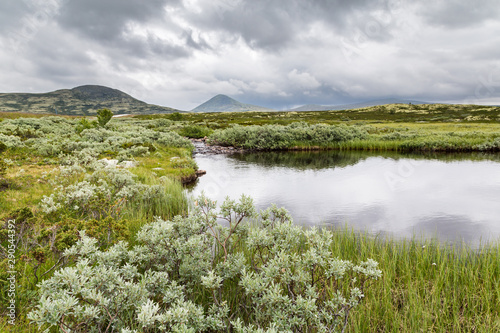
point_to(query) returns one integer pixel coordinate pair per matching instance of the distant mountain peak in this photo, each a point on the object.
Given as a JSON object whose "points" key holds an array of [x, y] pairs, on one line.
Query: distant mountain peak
{"points": [[223, 96], [100, 93], [224, 103], [220, 98]]}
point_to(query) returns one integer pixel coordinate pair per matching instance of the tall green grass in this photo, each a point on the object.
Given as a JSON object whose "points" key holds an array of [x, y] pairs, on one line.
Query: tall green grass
{"points": [[166, 204], [426, 286]]}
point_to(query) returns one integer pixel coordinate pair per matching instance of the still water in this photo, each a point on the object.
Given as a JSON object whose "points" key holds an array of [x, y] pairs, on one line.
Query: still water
{"points": [[452, 197]]}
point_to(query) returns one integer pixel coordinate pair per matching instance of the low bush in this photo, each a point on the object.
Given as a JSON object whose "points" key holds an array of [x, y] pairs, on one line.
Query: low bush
{"points": [[275, 137], [108, 191], [195, 131], [191, 274]]}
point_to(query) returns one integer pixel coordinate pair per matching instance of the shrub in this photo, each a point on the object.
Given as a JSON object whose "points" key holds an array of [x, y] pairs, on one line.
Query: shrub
{"points": [[108, 191], [195, 131], [173, 139], [275, 137], [84, 124], [11, 141], [104, 116], [191, 274], [176, 116]]}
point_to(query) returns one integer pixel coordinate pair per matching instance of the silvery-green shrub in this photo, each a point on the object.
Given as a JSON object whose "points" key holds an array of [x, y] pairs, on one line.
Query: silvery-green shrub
{"points": [[102, 193], [11, 141], [281, 137], [252, 273]]}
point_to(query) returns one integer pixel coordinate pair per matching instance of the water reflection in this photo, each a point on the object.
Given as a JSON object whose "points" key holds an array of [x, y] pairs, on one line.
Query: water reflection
{"points": [[327, 159], [453, 197]]}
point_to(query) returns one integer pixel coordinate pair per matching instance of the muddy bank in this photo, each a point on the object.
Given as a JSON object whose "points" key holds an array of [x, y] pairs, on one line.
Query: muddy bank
{"points": [[201, 147]]}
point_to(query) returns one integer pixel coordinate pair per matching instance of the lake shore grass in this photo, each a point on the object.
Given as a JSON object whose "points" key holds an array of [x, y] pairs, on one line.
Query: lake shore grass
{"points": [[426, 286]]}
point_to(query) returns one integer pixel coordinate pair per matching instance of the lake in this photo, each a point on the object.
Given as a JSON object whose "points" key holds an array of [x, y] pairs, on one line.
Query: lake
{"points": [[452, 197]]}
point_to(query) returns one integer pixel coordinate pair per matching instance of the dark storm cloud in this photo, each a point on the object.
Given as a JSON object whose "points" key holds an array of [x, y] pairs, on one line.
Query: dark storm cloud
{"points": [[106, 20], [11, 13], [112, 22], [271, 25], [162, 48], [459, 14]]}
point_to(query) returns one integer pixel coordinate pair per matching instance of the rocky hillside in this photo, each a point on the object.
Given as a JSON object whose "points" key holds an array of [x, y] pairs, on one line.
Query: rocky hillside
{"points": [[83, 100]]}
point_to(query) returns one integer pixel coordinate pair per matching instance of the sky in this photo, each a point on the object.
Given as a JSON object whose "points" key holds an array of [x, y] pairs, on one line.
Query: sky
{"points": [[277, 54]]}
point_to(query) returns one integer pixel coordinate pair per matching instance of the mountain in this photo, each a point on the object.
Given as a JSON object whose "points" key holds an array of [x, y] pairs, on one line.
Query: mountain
{"points": [[223, 103], [83, 100], [316, 107]]}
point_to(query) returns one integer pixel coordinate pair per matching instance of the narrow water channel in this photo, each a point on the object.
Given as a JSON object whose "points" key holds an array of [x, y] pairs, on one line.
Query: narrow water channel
{"points": [[452, 197]]}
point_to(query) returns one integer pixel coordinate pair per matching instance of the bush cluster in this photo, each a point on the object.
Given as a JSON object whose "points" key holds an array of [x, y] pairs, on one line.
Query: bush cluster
{"points": [[192, 274], [195, 131], [90, 190], [282, 137], [50, 136]]}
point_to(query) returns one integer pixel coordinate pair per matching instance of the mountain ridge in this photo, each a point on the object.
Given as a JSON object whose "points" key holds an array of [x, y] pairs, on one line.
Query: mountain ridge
{"points": [[317, 107], [81, 100]]}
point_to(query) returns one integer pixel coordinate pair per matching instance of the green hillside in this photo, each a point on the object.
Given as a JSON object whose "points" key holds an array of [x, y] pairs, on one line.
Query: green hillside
{"points": [[83, 100]]}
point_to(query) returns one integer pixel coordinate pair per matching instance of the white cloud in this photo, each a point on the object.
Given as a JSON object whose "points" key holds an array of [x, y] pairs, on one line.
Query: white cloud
{"points": [[303, 80]]}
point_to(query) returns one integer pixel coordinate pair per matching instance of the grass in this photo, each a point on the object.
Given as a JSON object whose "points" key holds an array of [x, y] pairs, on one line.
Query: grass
{"points": [[27, 185], [426, 286], [15, 115], [172, 162]]}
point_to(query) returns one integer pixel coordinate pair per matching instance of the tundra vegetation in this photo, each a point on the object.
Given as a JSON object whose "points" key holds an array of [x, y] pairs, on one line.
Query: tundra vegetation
{"points": [[106, 239], [396, 127]]}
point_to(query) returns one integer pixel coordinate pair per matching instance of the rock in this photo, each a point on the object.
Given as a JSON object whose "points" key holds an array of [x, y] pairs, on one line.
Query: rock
{"points": [[127, 164], [200, 172], [115, 164], [109, 163], [157, 168]]}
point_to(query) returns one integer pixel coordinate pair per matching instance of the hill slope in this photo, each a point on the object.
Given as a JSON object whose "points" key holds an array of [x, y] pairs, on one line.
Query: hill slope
{"points": [[315, 107], [83, 100], [223, 103]]}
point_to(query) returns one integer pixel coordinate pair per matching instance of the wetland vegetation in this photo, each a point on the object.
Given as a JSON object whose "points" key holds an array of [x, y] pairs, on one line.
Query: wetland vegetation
{"points": [[170, 266], [396, 127]]}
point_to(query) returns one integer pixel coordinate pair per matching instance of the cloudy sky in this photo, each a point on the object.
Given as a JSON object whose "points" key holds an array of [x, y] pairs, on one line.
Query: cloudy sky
{"points": [[278, 54]]}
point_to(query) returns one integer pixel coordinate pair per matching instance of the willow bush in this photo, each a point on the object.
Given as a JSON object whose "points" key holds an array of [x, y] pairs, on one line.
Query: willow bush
{"points": [[281, 137], [191, 274]]}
